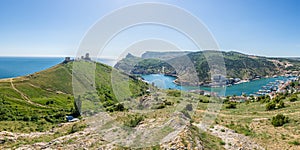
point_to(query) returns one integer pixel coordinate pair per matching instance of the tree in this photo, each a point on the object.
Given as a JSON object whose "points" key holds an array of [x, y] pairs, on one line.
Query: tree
{"points": [[77, 106]]}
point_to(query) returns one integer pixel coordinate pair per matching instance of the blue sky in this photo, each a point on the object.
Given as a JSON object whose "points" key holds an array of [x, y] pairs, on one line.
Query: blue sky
{"points": [[56, 27]]}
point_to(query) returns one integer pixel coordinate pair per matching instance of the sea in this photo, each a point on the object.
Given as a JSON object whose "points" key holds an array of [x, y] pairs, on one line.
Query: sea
{"points": [[21, 66]]}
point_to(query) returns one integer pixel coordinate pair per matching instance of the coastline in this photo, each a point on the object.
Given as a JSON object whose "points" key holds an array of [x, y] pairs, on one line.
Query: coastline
{"points": [[248, 87]]}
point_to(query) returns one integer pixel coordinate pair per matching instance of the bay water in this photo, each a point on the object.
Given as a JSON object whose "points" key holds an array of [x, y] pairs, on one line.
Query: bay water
{"points": [[166, 82]]}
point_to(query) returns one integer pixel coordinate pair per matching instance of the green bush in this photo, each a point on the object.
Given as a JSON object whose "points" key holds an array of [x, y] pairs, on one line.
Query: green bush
{"points": [[48, 119], [186, 114], [40, 128], [34, 118], [294, 143], [189, 107], [293, 99], [26, 118], [231, 105], [168, 103], [159, 106], [174, 93], [270, 106], [119, 107], [281, 104], [279, 120], [77, 127], [133, 120]]}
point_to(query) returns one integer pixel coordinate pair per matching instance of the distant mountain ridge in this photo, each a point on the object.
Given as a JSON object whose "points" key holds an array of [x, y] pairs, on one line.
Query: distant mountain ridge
{"points": [[164, 55], [237, 65]]}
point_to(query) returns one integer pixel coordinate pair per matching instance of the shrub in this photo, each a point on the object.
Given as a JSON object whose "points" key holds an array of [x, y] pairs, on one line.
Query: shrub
{"points": [[281, 104], [60, 115], [265, 99], [25, 118], [204, 101], [294, 143], [110, 109], [34, 118], [48, 119], [77, 127], [231, 105], [119, 107], [40, 128], [293, 99], [159, 106], [108, 103], [189, 107], [49, 102], [225, 100], [134, 120], [168, 103], [174, 93], [186, 114], [270, 106], [279, 120]]}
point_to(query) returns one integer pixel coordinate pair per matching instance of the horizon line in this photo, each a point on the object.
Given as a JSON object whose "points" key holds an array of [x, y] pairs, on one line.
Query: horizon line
{"points": [[116, 57]]}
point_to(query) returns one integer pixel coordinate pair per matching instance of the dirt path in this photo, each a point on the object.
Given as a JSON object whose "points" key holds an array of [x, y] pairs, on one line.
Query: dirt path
{"points": [[23, 95]]}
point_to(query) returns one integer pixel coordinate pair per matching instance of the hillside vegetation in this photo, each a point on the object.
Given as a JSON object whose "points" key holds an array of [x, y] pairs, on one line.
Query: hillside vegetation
{"points": [[39, 101]]}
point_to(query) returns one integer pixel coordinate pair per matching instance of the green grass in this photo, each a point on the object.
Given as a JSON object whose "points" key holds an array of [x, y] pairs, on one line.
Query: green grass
{"points": [[242, 121], [52, 88], [294, 143], [211, 142]]}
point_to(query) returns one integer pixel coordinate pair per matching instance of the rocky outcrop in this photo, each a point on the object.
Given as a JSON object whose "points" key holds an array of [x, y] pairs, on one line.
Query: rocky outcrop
{"points": [[233, 140], [183, 141]]}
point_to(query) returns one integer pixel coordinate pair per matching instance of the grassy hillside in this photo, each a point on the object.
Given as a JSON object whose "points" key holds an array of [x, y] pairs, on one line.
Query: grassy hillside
{"points": [[240, 65], [253, 120], [237, 65], [39, 101]]}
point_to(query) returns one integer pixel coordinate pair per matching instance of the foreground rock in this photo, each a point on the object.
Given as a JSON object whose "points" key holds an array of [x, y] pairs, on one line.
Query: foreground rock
{"points": [[186, 137]]}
